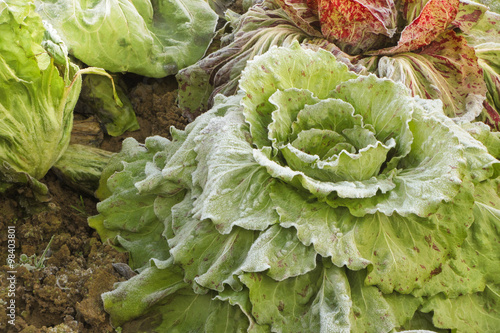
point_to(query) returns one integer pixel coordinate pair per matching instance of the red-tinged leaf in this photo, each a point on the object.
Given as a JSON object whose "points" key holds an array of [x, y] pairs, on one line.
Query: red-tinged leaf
{"points": [[435, 18], [489, 60], [486, 30], [447, 69], [492, 116], [357, 25], [469, 14], [304, 14]]}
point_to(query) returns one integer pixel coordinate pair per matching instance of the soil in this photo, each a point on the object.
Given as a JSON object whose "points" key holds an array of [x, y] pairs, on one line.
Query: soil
{"points": [[62, 293]]}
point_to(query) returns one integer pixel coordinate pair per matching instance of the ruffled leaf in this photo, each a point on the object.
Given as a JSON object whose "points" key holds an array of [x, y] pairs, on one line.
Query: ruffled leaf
{"points": [[158, 300], [400, 260], [468, 313], [280, 69], [231, 178], [432, 20]]}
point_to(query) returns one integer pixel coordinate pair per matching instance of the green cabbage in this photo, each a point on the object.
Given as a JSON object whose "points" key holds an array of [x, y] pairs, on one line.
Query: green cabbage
{"points": [[39, 88], [150, 38], [313, 200]]}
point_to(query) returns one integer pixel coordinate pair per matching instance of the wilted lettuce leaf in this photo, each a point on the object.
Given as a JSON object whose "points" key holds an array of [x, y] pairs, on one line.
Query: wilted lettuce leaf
{"points": [[37, 93], [81, 166], [313, 200], [150, 38], [97, 95]]}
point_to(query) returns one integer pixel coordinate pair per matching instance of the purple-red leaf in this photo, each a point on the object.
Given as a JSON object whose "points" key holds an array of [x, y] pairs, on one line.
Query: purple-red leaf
{"points": [[357, 25], [435, 17]]}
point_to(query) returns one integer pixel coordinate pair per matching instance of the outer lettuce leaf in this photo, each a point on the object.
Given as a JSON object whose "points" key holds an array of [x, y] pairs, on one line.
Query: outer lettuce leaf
{"points": [[469, 313], [432, 20], [469, 13], [475, 263], [126, 205], [232, 179], [483, 30], [315, 302], [326, 300], [488, 54], [493, 5], [158, 300], [81, 166], [207, 257], [150, 38], [422, 323], [398, 260], [301, 14], [37, 94], [292, 258], [483, 134]]}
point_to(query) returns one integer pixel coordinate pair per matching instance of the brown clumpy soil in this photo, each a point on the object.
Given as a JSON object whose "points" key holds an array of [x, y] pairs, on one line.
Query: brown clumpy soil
{"points": [[63, 293]]}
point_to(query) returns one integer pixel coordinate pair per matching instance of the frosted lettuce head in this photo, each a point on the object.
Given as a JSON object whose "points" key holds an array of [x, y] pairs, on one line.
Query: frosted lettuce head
{"points": [[340, 136], [314, 200]]}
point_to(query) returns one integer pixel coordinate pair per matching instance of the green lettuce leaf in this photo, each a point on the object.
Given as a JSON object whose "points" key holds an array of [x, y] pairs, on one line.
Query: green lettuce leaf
{"points": [[474, 264], [158, 300], [126, 204], [231, 179], [37, 93], [326, 300], [468, 313], [150, 38]]}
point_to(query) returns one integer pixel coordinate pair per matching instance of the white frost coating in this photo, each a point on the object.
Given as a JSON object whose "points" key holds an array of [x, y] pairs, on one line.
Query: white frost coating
{"points": [[153, 178], [473, 108]]}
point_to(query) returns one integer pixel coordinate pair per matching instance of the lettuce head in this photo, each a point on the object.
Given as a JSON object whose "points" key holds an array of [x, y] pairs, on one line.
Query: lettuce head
{"points": [[313, 200], [147, 37], [39, 88]]}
